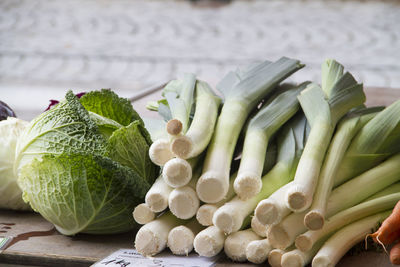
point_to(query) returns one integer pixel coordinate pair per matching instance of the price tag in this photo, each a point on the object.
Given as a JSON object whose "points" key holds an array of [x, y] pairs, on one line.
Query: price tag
{"points": [[132, 258]]}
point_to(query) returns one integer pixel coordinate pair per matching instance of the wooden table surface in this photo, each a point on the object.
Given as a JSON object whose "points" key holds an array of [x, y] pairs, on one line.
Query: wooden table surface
{"points": [[39, 244]]}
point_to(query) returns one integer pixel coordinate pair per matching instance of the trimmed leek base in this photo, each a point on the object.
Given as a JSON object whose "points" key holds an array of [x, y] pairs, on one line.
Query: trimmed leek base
{"points": [[257, 251], [298, 258], [205, 214], [230, 217], [182, 146], [294, 258], [181, 238], [283, 234], [236, 244], [273, 209], [183, 202], [209, 242], [159, 152], [258, 228], [212, 187], [157, 197], [298, 197], [275, 257], [142, 214], [174, 127], [247, 184], [177, 172], [344, 239], [314, 220], [152, 237]]}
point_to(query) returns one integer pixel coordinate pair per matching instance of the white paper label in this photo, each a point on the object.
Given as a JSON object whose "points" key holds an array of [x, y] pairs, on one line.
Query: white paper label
{"points": [[132, 258]]}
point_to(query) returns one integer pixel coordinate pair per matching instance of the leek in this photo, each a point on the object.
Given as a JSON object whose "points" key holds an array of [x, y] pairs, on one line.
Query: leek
{"points": [[209, 242], [176, 109], [183, 201], [257, 251], [179, 95], [345, 196], [181, 238], [258, 228], [273, 209], [376, 141], [157, 196], [275, 257], [339, 243], [159, 152], [323, 109], [236, 244], [206, 212], [346, 130], [307, 240], [229, 217], [178, 172], [201, 129], [299, 258], [152, 237], [259, 131], [240, 98], [142, 214]]}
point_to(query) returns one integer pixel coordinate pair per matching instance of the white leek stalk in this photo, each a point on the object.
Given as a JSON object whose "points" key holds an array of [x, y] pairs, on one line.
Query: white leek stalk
{"points": [[209, 242], [152, 237], [376, 141], [323, 109], [339, 243], [306, 241], [183, 201], [177, 172], [259, 131], [258, 228], [157, 196], [142, 214], [201, 129], [181, 238], [236, 244], [229, 217], [345, 196], [240, 98], [273, 209], [206, 212], [257, 251], [346, 130]]}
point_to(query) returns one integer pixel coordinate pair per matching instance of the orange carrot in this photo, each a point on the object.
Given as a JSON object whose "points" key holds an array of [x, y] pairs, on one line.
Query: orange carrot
{"points": [[390, 228], [395, 254]]}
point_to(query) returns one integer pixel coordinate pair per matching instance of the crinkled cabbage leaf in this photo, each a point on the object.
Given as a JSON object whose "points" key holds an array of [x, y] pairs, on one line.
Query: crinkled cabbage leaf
{"points": [[84, 164]]}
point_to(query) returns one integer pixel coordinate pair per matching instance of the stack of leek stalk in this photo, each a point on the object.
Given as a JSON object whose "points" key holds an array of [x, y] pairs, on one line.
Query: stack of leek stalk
{"points": [[271, 171]]}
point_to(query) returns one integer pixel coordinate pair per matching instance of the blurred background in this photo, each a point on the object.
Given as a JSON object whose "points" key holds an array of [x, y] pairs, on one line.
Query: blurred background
{"points": [[47, 47]]}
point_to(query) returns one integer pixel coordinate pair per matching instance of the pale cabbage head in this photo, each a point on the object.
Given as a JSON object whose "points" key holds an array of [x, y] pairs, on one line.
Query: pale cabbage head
{"points": [[10, 193], [84, 164]]}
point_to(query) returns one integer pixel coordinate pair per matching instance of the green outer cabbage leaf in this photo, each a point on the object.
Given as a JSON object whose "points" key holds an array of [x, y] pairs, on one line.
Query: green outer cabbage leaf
{"points": [[81, 169], [127, 144], [83, 193]]}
